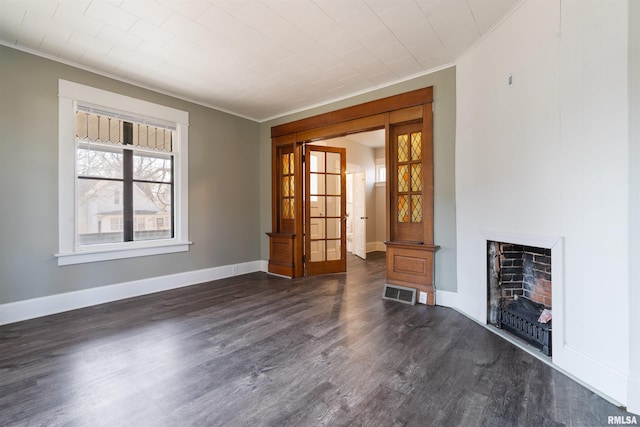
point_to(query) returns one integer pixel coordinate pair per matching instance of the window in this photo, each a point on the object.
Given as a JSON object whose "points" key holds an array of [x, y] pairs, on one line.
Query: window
{"points": [[122, 176], [381, 173]]}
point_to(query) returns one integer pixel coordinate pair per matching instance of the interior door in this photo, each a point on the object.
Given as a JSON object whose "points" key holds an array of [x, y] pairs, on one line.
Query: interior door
{"points": [[325, 210], [360, 218]]}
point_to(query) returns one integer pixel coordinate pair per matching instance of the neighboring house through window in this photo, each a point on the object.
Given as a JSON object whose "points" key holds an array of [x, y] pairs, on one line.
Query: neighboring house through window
{"points": [[123, 176]]}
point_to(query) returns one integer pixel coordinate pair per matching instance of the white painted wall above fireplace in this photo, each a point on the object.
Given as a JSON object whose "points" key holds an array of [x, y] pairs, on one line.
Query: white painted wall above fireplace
{"points": [[548, 156]]}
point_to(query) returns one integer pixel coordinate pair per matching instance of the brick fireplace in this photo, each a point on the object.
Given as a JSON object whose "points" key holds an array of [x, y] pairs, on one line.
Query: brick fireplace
{"points": [[520, 291]]}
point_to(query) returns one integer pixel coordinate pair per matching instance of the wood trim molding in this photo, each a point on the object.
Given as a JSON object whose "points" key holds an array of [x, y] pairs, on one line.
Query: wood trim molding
{"points": [[379, 106]]}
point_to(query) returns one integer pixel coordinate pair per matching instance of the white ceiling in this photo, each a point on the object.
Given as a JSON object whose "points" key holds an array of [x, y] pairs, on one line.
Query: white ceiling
{"points": [[259, 59]]}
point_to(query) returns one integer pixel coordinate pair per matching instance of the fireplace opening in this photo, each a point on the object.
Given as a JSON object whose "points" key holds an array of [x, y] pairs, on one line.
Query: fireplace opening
{"points": [[519, 292]]}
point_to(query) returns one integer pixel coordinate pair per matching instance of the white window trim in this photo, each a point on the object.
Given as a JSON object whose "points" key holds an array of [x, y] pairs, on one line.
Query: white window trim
{"points": [[69, 94]]}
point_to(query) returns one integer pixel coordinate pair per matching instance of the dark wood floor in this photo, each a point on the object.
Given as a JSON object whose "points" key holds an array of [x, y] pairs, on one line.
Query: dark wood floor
{"points": [[260, 350]]}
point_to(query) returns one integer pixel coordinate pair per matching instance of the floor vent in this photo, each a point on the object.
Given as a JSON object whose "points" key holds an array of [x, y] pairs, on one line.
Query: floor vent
{"points": [[399, 293]]}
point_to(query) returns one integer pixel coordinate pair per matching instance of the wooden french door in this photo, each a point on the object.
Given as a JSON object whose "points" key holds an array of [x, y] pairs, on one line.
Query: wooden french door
{"points": [[325, 210], [291, 238]]}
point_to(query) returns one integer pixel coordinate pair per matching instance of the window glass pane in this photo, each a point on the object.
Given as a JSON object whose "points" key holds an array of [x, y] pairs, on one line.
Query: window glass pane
{"points": [[318, 207], [98, 161], [316, 183], [333, 228], [317, 228], [316, 161], [381, 173], [333, 250], [150, 202], [152, 168], [333, 206], [317, 250], [285, 164], [99, 211], [333, 162], [333, 184]]}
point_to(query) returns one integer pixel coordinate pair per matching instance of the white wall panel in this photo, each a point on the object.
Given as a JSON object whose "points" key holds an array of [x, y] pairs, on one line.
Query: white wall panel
{"points": [[547, 156]]}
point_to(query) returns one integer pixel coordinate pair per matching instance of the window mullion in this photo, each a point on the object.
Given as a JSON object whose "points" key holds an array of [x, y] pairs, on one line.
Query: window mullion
{"points": [[127, 191]]}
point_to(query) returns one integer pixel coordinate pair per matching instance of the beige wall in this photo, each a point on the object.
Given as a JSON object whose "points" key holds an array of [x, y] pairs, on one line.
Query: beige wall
{"points": [[444, 105]]}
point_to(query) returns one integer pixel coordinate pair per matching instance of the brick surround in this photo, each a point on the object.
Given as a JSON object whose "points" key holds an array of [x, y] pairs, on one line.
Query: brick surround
{"points": [[524, 271]]}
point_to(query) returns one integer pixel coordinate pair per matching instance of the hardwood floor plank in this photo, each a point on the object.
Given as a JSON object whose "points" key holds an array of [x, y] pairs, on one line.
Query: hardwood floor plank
{"points": [[260, 350]]}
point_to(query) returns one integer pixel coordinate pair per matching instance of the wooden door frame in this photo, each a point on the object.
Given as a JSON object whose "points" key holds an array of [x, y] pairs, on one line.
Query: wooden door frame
{"points": [[373, 115]]}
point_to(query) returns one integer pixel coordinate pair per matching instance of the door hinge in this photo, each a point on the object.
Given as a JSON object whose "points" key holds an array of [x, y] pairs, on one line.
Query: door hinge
{"points": [[304, 259], [304, 158]]}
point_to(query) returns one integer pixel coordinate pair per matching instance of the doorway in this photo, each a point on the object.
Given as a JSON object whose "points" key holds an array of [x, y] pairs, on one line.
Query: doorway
{"points": [[288, 254], [366, 199]]}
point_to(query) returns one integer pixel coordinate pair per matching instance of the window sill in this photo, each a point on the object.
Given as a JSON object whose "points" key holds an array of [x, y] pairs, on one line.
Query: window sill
{"points": [[95, 255]]}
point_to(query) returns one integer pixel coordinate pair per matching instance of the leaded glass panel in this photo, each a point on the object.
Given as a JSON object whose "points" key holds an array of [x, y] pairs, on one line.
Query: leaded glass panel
{"points": [[403, 208], [403, 178], [403, 148], [286, 186], [416, 146], [151, 137], [416, 177], [416, 208], [287, 209], [95, 128]]}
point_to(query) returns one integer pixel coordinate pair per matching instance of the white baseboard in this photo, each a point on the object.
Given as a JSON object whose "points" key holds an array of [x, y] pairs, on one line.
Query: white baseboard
{"points": [[634, 395], [596, 375], [44, 306], [447, 299], [376, 247]]}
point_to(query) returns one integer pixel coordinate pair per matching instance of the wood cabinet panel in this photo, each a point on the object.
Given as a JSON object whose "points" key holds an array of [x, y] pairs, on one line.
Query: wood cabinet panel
{"points": [[281, 254]]}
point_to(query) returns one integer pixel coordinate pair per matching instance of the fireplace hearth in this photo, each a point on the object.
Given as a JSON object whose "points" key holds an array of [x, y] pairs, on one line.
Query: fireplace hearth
{"points": [[519, 292]]}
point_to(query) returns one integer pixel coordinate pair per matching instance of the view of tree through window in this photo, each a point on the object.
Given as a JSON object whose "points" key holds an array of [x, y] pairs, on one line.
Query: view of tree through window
{"points": [[124, 180]]}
